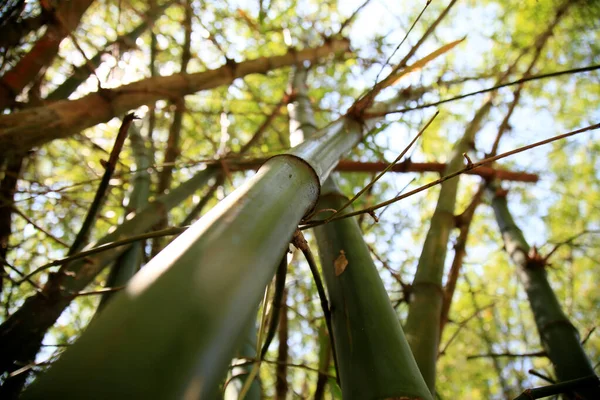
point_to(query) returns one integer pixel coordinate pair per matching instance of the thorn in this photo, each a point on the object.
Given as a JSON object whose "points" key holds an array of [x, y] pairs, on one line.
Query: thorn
{"points": [[372, 214], [469, 162]]}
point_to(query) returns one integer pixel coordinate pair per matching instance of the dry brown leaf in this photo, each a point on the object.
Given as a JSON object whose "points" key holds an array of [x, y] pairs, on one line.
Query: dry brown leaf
{"points": [[395, 78], [340, 263]]}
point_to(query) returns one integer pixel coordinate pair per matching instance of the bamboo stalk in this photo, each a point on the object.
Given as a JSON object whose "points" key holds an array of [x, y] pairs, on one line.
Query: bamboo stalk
{"points": [[373, 356], [425, 310], [558, 336], [213, 275]]}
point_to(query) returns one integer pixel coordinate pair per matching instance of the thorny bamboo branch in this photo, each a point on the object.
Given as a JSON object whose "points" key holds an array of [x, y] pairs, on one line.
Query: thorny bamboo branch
{"points": [[454, 174], [491, 89]]}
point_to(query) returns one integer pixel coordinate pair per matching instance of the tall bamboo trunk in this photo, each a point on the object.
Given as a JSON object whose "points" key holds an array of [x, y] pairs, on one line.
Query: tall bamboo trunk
{"points": [[373, 358], [427, 295], [213, 275], [22, 333], [558, 336]]}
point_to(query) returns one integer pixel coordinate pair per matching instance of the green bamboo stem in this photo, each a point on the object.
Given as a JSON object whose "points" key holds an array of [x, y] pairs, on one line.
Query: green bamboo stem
{"points": [[188, 306], [373, 357], [21, 334], [427, 297], [558, 336], [423, 322]]}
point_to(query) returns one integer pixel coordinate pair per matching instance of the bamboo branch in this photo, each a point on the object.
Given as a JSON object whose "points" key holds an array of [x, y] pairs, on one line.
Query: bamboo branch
{"points": [[21, 130], [300, 243], [386, 169], [475, 165], [406, 166], [540, 353], [562, 387], [571, 71]]}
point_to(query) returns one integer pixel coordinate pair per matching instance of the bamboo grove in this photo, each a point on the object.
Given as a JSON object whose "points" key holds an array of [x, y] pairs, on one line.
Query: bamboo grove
{"points": [[299, 199]]}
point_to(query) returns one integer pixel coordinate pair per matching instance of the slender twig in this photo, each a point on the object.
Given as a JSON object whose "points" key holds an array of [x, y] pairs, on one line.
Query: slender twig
{"points": [[36, 226], [588, 335], [84, 232], [24, 278], [569, 241], [454, 174], [203, 201], [400, 65], [300, 243], [276, 304], [428, 32], [540, 353], [541, 376], [68, 32], [301, 366], [101, 291], [351, 17], [390, 166], [461, 325], [397, 194], [105, 247], [491, 89]]}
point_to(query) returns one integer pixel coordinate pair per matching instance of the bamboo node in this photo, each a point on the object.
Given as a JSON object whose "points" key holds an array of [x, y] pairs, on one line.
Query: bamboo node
{"points": [[469, 162], [299, 241], [535, 260]]}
